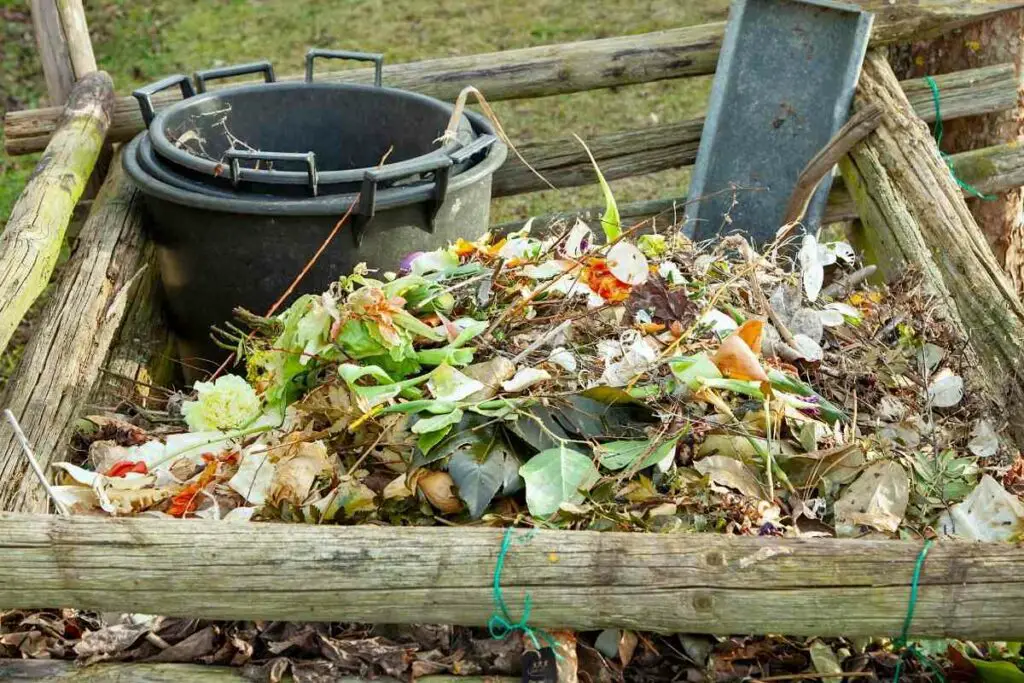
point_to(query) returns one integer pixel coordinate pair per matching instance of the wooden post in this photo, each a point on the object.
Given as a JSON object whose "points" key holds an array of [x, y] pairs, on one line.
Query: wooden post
{"points": [[76, 32], [77, 328], [582, 580], [997, 39], [913, 211], [53, 51], [31, 242]]}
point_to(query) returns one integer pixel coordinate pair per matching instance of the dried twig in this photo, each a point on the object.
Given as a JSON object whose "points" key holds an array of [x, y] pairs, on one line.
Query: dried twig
{"points": [[856, 129], [840, 287], [34, 464]]}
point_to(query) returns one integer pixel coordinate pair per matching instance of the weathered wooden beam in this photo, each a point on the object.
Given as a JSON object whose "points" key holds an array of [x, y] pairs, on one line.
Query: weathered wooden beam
{"points": [[57, 671], [557, 69], [77, 327], [992, 170], [914, 213], [31, 242], [657, 148], [143, 672], [53, 52], [691, 583], [76, 32]]}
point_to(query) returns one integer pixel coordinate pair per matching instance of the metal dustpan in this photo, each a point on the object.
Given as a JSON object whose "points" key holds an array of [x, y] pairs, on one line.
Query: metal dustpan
{"points": [[783, 87]]}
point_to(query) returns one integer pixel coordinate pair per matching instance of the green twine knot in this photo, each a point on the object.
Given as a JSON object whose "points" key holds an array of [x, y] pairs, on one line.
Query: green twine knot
{"points": [[966, 187], [501, 625], [901, 643]]}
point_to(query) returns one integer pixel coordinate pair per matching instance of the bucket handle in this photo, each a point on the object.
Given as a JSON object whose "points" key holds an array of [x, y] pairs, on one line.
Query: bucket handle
{"points": [[145, 94], [235, 155], [376, 58], [481, 144], [264, 67], [367, 207]]}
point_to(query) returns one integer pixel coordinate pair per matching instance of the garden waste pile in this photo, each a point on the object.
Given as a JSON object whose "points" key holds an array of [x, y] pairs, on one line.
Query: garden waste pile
{"points": [[585, 379]]}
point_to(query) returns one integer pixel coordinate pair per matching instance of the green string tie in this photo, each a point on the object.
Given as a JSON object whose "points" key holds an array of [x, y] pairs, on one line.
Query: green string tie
{"points": [[966, 187], [500, 625], [901, 642]]}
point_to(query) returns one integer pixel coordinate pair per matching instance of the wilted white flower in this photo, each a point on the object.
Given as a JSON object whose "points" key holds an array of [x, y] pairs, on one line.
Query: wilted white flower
{"points": [[227, 403]]}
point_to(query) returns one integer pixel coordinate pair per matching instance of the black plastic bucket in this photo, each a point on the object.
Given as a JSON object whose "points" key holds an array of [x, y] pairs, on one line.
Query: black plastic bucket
{"points": [[295, 138], [217, 252]]}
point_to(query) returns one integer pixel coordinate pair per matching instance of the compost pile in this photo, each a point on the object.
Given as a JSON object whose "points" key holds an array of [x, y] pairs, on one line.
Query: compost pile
{"points": [[608, 381], [601, 380]]}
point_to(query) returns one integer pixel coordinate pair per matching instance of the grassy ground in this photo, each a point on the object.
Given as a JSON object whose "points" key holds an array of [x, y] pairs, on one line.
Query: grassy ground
{"points": [[140, 40]]}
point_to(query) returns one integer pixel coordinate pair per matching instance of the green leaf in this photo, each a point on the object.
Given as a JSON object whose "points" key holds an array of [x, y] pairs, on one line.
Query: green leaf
{"points": [[478, 480], [557, 476], [357, 342], [409, 322], [352, 373], [737, 386], [997, 672], [445, 354], [428, 405], [783, 382], [693, 371], [610, 220], [618, 455], [448, 384], [431, 424], [427, 441], [398, 369]]}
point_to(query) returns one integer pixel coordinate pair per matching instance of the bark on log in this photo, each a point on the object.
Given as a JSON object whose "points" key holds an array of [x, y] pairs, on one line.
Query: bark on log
{"points": [[993, 169], [557, 69], [625, 154], [691, 583], [31, 242], [914, 213], [79, 324], [142, 672], [998, 39]]}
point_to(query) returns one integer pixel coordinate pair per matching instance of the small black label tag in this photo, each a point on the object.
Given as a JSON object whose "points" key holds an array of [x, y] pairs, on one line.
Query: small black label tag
{"points": [[540, 667]]}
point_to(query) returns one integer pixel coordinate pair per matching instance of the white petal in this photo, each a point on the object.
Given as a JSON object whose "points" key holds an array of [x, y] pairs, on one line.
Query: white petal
{"points": [[831, 318], [546, 270], [946, 390], [627, 263], [670, 271], [524, 379], [811, 268], [808, 348], [563, 358], [719, 322], [580, 233]]}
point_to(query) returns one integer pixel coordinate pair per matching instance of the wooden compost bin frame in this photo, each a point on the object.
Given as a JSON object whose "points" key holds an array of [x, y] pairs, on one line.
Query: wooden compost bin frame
{"points": [[102, 334]]}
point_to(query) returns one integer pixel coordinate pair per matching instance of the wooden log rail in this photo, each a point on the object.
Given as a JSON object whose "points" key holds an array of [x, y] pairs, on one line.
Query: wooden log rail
{"points": [[625, 154], [104, 312], [557, 69], [31, 241], [990, 170], [57, 671], [691, 583]]}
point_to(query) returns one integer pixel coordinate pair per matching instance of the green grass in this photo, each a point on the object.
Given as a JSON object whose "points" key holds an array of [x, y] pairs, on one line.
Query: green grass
{"points": [[142, 40]]}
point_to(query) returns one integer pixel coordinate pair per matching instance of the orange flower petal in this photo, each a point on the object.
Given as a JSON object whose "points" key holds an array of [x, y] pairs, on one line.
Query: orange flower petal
{"points": [[752, 332], [736, 360]]}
